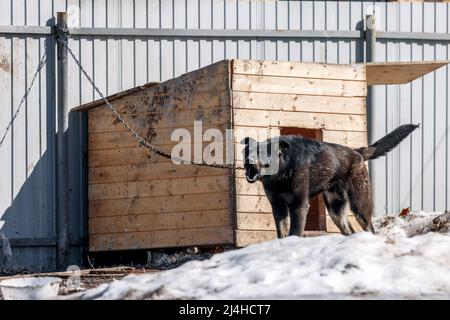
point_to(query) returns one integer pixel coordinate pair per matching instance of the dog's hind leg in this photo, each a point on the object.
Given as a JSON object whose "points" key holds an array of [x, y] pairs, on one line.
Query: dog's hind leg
{"points": [[335, 203], [360, 197]]}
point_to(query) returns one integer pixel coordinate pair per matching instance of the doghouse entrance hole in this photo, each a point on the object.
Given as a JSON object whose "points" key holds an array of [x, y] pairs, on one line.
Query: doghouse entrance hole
{"points": [[316, 220]]}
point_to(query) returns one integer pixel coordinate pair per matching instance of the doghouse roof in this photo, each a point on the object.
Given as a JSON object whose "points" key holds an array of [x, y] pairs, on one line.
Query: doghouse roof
{"points": [[377, 73], [399, 72]]}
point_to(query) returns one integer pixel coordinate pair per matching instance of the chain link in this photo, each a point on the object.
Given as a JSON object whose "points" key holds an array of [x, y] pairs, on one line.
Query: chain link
{"points": [[62, 38], [41, 64]]}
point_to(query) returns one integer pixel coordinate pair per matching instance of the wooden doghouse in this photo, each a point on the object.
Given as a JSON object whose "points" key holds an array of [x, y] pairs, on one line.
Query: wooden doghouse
{"points": [[140, 200]]}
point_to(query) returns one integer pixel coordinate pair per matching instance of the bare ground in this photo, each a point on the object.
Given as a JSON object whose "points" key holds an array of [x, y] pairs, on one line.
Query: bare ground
{"points": [[93, 277]]}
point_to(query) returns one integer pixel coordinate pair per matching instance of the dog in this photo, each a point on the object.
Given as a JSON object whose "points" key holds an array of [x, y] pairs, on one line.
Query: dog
{"points": [[305, 168]]}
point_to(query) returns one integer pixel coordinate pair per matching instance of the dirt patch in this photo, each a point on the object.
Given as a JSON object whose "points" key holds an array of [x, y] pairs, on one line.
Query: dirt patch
{"points": [[88, 278], [157, 260]]}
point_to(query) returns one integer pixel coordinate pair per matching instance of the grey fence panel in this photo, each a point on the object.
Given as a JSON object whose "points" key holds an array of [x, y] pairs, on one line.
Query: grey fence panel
{"points": [[26, 158], [414, 175]]}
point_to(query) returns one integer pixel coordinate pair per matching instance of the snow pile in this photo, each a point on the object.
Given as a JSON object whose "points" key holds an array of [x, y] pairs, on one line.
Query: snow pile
{"points": [[413, 224], [359, 266]]}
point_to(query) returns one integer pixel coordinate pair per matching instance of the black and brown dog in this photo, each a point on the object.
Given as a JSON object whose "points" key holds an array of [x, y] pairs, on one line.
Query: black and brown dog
{"points": [[307, 167]]}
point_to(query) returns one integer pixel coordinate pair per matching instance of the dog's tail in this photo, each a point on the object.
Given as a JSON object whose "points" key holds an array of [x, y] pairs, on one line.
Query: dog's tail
{"points": [[387, 143]]}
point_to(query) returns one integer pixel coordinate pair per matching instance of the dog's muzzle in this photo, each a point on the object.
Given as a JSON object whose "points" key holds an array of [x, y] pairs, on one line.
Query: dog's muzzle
{"points": [[252, 173]]}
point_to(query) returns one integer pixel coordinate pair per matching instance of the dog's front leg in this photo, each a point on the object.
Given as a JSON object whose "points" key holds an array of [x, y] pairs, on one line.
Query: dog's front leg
{"points": [[280, 215], [281, 223], [298, 213]]}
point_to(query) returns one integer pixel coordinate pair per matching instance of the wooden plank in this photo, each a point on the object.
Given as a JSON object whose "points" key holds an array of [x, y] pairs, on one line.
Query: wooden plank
{"points": [[300, 69], [399, 72], [250, 189], [301, 120], [159, 119], [163, 101], [298, 102], [125, 156], [168, 187], [346, 138], [254, 221], [160, 221], [259, 133], [123, 139], [149, 171], [247, 237], [162, 239], [256, 204], [176, 203], [285, 85]]}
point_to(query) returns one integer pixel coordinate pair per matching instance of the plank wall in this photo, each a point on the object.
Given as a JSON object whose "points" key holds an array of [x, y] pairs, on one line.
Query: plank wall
{"points": [[270, 95], [140, 200]]}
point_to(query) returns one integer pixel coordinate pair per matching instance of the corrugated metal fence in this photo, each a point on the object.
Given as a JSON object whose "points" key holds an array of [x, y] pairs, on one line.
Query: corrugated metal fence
{"points": [[125, 55]]}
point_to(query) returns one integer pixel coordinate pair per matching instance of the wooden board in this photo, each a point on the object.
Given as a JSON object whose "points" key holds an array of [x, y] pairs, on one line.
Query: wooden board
{"points": [[347, 138], [306, 120], [249, 189], [399, 72], [176, 203], [163, 187], [149, 171], [256, 204], [123, 156], [162, 239], [286, 85], [298, 102], [123, 139], [300, 69], [137, 155], [259, 133], [165, 103], [248, 237], [160, 221], [254, 221], [161, 119]]}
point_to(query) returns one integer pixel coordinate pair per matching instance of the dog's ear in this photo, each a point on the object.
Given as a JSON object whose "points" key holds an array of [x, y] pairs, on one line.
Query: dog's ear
{"points": [[247, 141], [283, 145]]}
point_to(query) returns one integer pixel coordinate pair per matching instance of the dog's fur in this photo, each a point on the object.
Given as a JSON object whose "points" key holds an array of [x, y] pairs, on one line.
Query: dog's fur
{"points": [[308, 167]]}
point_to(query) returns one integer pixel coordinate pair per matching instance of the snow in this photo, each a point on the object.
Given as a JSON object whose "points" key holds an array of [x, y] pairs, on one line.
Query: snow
{"points": [[404, 260]]}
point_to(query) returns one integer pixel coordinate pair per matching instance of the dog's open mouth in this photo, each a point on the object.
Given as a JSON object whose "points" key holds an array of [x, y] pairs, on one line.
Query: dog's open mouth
{"points": [[252, 174]]}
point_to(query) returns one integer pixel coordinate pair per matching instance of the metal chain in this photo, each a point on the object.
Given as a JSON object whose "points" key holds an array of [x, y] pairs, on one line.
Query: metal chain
{"points": [[41, 64], [62, 36]]}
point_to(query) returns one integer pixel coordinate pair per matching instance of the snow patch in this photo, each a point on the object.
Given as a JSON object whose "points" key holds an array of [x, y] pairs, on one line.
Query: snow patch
{"points": [[412, 224], [399, 262]]}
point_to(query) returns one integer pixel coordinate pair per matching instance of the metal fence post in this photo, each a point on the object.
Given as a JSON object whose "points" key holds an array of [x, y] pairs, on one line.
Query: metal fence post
{"points": [[371, 39], [62, 146]]}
